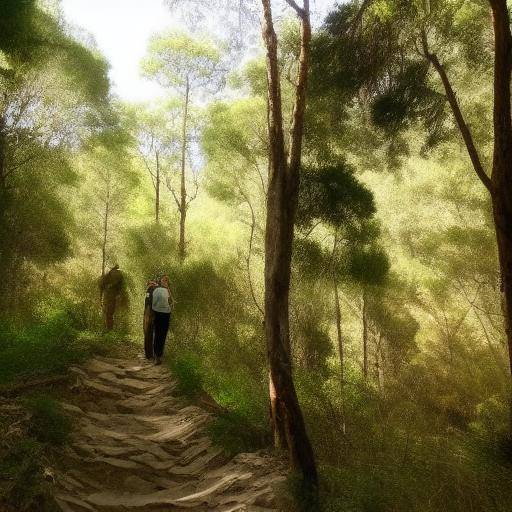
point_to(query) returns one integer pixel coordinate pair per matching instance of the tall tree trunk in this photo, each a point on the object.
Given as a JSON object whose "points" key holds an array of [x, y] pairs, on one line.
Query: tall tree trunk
{"points": [[379, 362], [339, 334], [500, 182], [183, 190], [502, 160], [365, 337], [281, 207], [158, 182], [3, 151]]}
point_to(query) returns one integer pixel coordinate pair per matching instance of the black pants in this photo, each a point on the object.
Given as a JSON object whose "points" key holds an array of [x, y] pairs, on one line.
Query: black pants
{"points": [[161, 325], [149, 331]]}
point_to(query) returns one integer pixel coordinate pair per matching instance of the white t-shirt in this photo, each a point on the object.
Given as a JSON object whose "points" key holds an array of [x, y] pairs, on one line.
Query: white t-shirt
{"points": [[161, 300]]}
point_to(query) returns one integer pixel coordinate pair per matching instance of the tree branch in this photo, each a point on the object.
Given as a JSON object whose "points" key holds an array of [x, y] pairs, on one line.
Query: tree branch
{"points": [[299, 10], [297, 128], [194, 195], [251, 242], [173, 192], [457, 113], [151, 173]]}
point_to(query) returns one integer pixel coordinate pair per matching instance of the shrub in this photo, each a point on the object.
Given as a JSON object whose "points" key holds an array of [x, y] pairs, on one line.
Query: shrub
{"points": [[187, 369], [235, 434], [48, 345], [48, 423], [22, 485]]}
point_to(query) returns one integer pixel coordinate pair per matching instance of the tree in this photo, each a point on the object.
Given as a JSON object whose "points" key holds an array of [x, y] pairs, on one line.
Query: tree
{"points": [[235, 145], [53, 92], [187, 66], [235, 21], [331, 195], [157, 141], [283, 189], [417, 37], [109, 180]]}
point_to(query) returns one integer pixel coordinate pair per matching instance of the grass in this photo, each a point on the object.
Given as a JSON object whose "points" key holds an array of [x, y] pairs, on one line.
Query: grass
{"points": [[23, 486], [40, 347], [47, 423], [236, 435], [49, 345], [242, 428], [187, 369]]}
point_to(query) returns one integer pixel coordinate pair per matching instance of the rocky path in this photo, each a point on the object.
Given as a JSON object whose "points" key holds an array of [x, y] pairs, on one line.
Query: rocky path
{"points": [[138, 447]]}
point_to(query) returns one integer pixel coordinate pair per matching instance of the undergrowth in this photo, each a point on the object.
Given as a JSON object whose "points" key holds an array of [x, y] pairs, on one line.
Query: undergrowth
{"points": [[24, 486], [44, 344], [242, 427], [49, 343], [48, 422]]}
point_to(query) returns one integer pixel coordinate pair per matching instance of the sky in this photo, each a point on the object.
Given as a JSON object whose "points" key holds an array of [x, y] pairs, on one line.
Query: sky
{"points": [[122, 28]]}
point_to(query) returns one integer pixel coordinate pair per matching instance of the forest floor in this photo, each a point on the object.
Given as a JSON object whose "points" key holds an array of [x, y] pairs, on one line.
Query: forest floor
{"points": [[137, 446]]}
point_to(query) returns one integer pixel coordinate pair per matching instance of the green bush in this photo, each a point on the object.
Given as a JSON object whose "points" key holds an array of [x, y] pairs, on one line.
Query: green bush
{"points": [[378, 454], [44, 347], [52, 341], [245, 426], [22, 484], [187, 369], [47, 423], [236, 435]]}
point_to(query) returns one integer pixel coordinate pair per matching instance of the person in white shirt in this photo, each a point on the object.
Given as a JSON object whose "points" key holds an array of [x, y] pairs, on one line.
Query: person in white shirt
{"points": [[161, 306]]}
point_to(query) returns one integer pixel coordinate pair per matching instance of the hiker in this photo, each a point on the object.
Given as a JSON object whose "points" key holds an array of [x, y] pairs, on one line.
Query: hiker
{"points": [[112, 288], [148, 322], [161, 305]]}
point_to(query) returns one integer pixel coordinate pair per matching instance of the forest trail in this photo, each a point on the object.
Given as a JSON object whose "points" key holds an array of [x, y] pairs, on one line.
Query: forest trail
{"points": [[138, 447]]}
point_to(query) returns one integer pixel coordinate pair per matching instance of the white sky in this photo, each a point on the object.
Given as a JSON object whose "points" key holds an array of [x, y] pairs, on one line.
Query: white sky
{"points": [[122, 29]]}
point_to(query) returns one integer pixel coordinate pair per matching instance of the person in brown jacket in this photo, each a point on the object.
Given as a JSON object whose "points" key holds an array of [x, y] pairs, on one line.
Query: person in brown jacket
{"points": [[112, 288]]}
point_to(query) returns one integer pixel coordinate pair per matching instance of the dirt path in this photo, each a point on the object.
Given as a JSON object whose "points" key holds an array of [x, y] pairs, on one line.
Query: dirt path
{"points": [[138, 447]]}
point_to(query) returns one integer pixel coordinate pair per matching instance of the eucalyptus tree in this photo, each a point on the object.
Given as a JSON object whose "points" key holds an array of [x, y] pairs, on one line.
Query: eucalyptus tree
{"points": [[235, 145], [283, 189], [154, 128], [108, 180], [332, 196], [235, 21], [407, 57], [53, 93], [190, 68]]}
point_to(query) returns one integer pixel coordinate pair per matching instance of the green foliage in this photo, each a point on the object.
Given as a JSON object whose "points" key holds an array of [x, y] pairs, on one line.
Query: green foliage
{"points": [[47, 423], [41, 348], [411, 99], [426, 430], [233, 432], [382, 452], [244, 426], [32, 35], [186, 367], [176, 59], [333, 195], [369, 265], [22, 485], [46, 344], [385, 55]]}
